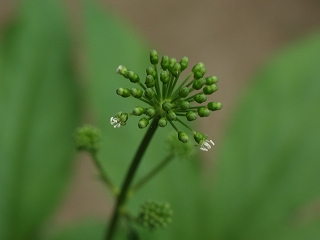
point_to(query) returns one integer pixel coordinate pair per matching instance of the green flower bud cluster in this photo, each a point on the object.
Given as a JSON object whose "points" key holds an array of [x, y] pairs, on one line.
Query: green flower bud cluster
{"points": [[153, 215], [168, 99], [87, 138]]}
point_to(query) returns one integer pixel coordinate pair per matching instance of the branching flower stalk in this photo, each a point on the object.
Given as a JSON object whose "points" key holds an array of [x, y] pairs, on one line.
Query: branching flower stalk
{"points": [[167, 103], [129, 177]]}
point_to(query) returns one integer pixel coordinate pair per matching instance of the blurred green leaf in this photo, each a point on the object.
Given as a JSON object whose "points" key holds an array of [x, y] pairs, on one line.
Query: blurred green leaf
{"points": [[39, 112], [84, 230], [269, 164]]}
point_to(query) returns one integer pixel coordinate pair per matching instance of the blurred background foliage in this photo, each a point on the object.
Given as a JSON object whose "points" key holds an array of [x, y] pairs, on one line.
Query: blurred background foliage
{"points": [[57, 70]]}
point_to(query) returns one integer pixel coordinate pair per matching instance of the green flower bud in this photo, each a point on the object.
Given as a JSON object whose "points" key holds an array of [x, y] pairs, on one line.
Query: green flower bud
{"points": [[143, 122], [171, 116], [150, 71], [123, 117], [87, 138], [184, 105], [135, 92], [191, 116], [200, 73], [119, 120], [203, 112], [162, 122], [149, 93], [165, 62], [213, 106], [197, 67], [199, 137], [123, 92], [184, 63], [133, 77], [211, 80], [183, 137], [184, 92], [164, 77], [154, 215], [200, 98], [176, 69], [154, 59], [172, 61], [151, 112], [166, 106], [122, 70], [210, 89], [198, 84], [137, 111], [150, 82]]}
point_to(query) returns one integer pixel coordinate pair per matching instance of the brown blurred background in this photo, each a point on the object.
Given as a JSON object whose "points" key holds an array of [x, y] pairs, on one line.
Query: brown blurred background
{"points": [[233, 38]]}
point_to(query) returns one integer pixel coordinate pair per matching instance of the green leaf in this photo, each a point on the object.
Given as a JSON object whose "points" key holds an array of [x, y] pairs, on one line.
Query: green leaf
{"points": [[269, 164], [84, 230], [39, 112]]}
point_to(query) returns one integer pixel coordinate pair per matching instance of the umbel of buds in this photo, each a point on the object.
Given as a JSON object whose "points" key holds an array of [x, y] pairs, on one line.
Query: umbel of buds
{"points": [[87, 138], [167, 98], [153, 215]]}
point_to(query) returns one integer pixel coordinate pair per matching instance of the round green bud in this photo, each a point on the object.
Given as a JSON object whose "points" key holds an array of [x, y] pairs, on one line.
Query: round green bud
{"points": [[210, 89], [151, 112], [183, 137], [200, 73], [171, 116], [199, 83], [133, 77], [150, 82], [172, 61], [176, 69], [184, 63], [165, 62], [137, 111], [143, 122], [149, 93], [191, 116], [203, 112], [197, 67], [199, 137], [162, 122], [123, 92], [87, 138], [184, 92], [184, 105], [122, 70], [123, 117], [166, 106], [154, 59], [135, 92], [213, 106], [200, 98], [164, 77], [211, 80], [150, 71]]}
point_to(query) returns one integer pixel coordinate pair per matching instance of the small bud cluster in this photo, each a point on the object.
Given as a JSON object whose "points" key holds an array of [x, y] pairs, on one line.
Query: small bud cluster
{"points": [[168, 100], [154, 215], [87, 138]]}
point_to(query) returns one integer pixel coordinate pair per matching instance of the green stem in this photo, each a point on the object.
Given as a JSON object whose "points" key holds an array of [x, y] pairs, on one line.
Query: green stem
{"points": [[129, 177], [103, 174], [153, 172]]}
